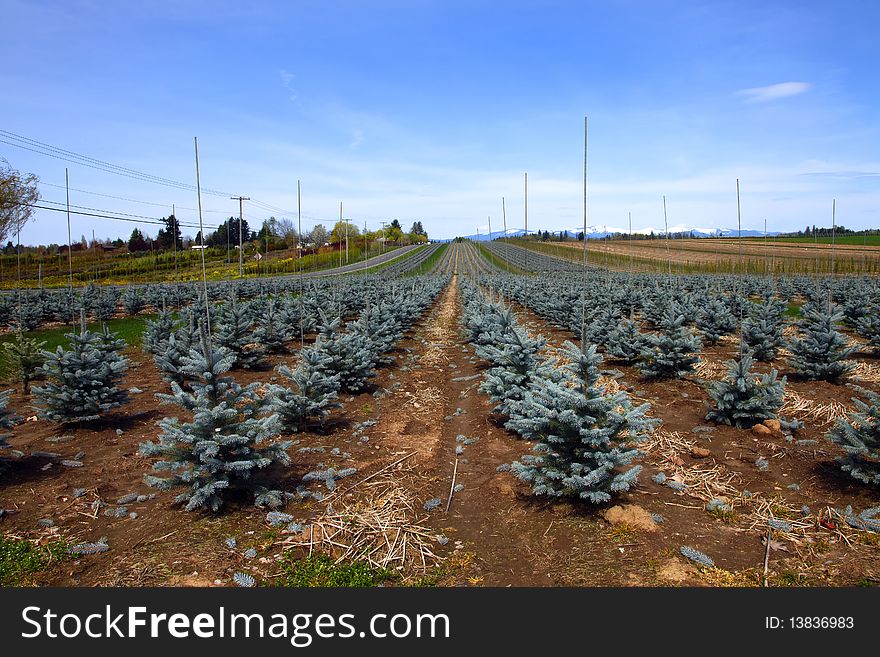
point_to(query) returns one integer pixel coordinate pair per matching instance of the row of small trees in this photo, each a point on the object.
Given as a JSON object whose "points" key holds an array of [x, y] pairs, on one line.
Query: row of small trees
{"points": [[559, 404]]}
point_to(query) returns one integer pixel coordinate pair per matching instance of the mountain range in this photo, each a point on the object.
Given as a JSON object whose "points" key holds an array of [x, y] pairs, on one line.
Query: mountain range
{"points": [[602, 230]]}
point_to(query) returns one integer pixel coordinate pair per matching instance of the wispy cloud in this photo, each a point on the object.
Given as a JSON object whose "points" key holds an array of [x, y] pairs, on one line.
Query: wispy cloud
{"points": [[774, 91], [843, 174], [287, 81], [357, 138]]}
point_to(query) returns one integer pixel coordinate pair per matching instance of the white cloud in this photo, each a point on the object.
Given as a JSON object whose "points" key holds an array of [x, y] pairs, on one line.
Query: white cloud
{"points": [[774, 91]]}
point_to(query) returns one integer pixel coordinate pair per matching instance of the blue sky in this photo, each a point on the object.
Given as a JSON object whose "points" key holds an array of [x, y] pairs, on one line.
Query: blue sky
{"points": [[433, 110]]}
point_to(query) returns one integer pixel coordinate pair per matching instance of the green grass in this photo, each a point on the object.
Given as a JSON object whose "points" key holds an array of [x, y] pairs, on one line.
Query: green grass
{"points": [[322, 571], [130, 329], [497, 260], [20, 559], [388, 263], [430, 261]]}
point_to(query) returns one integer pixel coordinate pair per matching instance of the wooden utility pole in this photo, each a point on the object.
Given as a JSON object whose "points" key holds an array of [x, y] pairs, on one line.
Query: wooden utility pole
{"points": [[241, 200], [174, 240]]}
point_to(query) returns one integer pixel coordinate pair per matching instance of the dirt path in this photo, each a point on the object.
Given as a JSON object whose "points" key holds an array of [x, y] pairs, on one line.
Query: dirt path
{"points": [[498, 534]]}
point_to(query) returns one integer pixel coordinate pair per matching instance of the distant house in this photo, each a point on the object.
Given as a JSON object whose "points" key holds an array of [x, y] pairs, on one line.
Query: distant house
{"points": [[77, 246], [198, 247]]}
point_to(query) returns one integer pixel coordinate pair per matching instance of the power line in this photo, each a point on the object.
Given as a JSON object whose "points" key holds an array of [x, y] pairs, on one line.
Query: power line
{"points": [[123, 198], [70, 156], [104, 216], [42, 148], [48, 150]]}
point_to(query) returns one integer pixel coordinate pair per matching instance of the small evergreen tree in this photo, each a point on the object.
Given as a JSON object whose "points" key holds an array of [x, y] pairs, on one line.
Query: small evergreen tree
{"points": [[671, 354], [868, 326], [517, 361], [176, 348], [226, 442], [859, 435], [234, 331], [7, 418], [82, 382], [743, 400], [24, 356], [352, 355], [156, 332], [133, 302], [586, 435], [271, 333], [625, 342], [310, 393], [821, 353], [762, 331], [715, 320]]}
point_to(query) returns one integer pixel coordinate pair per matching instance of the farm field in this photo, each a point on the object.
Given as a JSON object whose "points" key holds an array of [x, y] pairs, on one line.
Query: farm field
{"points": [[720, 255], [123, 268], [404, 472]]}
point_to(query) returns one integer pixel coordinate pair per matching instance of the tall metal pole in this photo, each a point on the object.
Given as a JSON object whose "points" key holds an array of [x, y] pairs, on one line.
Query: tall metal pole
{"points": [[585, 201], [202, 245], [299, 249], [346, 233], [340, 240], [666, 228], [504, 216], [833, 234], [629, 240], [526, 213], [69, 252]]}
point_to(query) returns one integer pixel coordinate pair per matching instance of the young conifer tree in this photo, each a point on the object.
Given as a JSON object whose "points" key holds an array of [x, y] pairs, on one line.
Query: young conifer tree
{"points": [[586, 436], [7, 418], [625, 342], [157, 331], [859, 435], [517, 361], [821, 351], [25, 358], [234, 332], [352, 354], [671, 354], [868, 326], [762, 331], [744, 399], [82, 382], [309, 392], [177, 347], [227, 441], [271, 332], [715, 320]]}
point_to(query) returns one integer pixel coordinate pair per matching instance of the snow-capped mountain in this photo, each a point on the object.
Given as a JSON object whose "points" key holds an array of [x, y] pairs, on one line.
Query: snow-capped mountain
{"points": [[600, 231]]}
